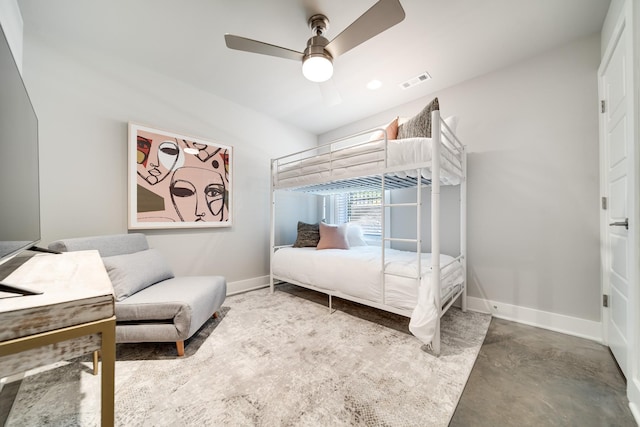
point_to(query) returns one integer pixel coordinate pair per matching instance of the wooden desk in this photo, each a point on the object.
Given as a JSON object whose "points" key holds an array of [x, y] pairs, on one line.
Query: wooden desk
{"points": [[74, 316]]}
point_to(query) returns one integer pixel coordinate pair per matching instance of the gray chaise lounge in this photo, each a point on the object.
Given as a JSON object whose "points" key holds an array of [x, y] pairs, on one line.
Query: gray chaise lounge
{"points": [[151, 304]]}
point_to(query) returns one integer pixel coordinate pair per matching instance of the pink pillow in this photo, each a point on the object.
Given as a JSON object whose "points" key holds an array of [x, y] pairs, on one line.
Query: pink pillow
{"points": [[333, 236], [392, 131]]}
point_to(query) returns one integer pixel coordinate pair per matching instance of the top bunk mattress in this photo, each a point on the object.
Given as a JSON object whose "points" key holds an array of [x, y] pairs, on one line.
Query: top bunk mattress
{"points": [[403, 159], [399, 154]]}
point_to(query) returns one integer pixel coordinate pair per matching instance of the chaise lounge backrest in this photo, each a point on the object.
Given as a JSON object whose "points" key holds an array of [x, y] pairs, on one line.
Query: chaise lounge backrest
{"points": [[116, 244]]}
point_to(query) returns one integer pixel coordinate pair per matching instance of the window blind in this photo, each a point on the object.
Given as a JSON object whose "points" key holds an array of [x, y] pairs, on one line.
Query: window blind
{"points": [[364, 207]]}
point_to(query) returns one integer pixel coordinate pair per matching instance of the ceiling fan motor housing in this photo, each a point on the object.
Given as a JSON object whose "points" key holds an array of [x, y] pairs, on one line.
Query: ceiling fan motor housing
{"points": [[319, 24], [316, 44], [315, 47], [317, 62]]}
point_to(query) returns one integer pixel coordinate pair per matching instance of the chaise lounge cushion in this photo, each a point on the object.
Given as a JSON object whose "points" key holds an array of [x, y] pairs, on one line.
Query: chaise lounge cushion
{"points": [[171, 310]]}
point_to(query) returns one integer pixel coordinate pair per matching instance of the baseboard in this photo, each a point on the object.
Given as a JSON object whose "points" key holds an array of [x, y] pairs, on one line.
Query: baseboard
{"points": [[246, 285], [633, 393], [10, 379], [542, 319], [635, 411]]}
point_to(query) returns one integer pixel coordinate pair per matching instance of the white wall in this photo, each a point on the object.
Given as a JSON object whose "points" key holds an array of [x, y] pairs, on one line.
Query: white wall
{"points": [[84, 100], [615, 8], [532, 134], [403, 219], [291, 207], [12, 25], [633, 383]]}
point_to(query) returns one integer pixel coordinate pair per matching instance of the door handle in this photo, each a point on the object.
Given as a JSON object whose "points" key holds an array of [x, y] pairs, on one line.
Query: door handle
{"points": [[624, 223]]}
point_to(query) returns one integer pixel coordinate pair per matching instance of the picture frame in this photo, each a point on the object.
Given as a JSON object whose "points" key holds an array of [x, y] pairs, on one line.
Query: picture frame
{"points": [[177, 181]]}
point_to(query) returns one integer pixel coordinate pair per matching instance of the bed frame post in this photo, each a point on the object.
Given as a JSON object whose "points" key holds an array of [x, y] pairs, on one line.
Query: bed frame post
{"points": [[383, 218], [436, 128], [419, 224], [463, 226], [272, 239]]}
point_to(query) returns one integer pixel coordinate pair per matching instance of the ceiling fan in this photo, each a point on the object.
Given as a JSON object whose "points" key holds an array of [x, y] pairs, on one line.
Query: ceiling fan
{"points": [[317, 58]]}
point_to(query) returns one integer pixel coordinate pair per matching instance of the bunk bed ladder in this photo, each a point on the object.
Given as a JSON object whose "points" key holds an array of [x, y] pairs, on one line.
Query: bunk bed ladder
{"points": [[417, 240], [435, 228]]}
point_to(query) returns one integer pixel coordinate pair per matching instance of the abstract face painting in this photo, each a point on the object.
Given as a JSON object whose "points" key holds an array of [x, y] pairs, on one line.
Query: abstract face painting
{"points": [[177, 181], [198, 194], [157, 158]]}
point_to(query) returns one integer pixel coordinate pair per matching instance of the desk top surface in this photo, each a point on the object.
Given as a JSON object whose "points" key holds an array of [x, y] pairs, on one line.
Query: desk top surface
{"points": [[63, 278]]}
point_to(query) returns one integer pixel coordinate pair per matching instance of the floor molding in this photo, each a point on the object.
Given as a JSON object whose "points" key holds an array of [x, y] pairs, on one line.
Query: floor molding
{"points": [[9, 387], [635, 412], [542, 319], [247, 285], [633, 392]]}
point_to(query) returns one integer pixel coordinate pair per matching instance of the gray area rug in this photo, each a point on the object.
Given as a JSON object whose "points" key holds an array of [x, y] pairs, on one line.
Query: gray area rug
{"points": [[271, 360]]}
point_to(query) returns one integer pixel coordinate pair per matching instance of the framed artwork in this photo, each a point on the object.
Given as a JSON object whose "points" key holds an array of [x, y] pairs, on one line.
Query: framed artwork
{"points": [[178, 181]]}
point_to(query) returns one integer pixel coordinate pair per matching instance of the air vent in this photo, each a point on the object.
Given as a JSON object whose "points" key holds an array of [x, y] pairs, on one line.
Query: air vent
{"points": [[415, 80]]}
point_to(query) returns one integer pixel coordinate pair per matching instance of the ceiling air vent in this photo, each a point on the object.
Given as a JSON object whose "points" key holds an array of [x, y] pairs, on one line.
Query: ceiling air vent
{"points": [[415, 80]]}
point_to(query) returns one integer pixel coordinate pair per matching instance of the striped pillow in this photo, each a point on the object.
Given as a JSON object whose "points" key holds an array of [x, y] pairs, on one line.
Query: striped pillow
{"points": [[308, 235], [419, 126]]}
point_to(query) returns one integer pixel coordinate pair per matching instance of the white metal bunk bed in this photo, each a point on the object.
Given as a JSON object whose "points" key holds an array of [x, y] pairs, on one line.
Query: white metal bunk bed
{"points": [[386, 165]]}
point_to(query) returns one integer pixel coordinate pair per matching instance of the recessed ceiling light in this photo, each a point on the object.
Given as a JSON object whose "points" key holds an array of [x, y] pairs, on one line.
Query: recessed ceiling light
{"points": [[374, 84]]}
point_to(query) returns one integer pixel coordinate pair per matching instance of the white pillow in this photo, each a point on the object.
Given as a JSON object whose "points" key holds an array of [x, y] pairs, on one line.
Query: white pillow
{"points": [[452, 122], [355, 236]]}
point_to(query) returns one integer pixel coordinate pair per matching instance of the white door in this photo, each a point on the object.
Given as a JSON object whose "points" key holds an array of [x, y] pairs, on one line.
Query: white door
{"points": [[617, 186]]}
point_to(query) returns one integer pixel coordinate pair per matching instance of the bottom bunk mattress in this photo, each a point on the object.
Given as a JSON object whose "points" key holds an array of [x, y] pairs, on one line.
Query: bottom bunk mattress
{"points": [[358, 272]]}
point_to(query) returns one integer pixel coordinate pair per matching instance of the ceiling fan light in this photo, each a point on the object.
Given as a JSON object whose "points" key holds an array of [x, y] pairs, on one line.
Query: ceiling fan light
{"points": [[317, 68]]}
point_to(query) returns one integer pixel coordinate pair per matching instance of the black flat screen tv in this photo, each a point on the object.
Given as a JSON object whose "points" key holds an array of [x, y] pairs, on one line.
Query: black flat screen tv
{"points": [[19, 177]]}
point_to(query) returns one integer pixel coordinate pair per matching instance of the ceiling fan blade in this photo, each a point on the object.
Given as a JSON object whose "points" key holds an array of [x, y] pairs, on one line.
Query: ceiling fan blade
{"points": [[254, 46], [380, 17], [330, 94]]}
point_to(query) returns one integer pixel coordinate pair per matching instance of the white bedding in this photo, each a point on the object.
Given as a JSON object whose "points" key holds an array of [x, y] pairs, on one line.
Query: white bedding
{"points": [[369, 157], [357, 272]]}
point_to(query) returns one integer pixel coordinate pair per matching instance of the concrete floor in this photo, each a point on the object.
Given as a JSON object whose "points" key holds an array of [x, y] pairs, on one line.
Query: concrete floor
{"points": [[526, 376]]}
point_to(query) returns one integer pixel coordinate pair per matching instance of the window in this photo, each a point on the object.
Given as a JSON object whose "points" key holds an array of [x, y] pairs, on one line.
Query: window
{"points": [[364, 207]]}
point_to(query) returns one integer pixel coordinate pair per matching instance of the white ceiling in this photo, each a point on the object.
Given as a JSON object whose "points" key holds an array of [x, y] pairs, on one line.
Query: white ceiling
{"points": [[454, 40]]}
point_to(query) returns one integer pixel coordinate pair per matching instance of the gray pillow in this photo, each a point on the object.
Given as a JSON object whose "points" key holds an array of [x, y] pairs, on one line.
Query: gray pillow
{"points": [[419, 126], [131, 273], [308, 235]]}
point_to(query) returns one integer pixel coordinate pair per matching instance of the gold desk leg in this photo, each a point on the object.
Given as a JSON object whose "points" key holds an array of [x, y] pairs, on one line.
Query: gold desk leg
{"points": [[108, 354], [96, 358], [105, 327]]}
